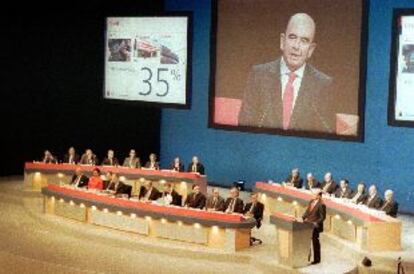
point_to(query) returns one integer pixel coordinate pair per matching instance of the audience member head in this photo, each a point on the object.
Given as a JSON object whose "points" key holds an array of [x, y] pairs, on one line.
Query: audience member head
{"points": [[153, 157], [96, 172], [194, 160], [295, 173], [344, 183], [234, 192], [310, 177], [389, 195], [89, 153], [361, 187], [372, 190], [177, 160], [328, 177], [196, 189], [71, 151]]}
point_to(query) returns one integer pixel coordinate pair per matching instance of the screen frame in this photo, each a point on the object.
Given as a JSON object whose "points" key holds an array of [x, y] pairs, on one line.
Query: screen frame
{"points": [[294, 133], [188, 89], [397, 13]]}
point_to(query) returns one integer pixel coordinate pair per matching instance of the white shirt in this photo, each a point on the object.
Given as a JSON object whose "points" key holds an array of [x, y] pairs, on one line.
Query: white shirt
{"points": [[284, 76]]}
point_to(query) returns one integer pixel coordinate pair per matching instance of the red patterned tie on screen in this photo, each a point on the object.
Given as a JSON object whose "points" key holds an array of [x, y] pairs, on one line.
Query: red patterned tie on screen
{"points": [[288, 100]]}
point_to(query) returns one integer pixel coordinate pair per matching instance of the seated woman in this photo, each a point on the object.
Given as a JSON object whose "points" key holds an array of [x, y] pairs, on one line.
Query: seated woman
{"points": [[95, 181]]}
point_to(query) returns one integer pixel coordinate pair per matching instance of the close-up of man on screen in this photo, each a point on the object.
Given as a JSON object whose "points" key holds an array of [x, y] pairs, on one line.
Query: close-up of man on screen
{"points": [[288, 93]]}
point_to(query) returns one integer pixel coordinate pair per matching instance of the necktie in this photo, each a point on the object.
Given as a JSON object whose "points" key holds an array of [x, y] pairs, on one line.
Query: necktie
{"points": [[251, 208], [288, 100], [194, 168], [214, 203]]}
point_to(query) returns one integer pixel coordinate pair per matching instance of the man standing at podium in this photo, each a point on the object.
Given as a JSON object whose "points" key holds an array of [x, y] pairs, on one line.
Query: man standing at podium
{"points": [[316, 214]]}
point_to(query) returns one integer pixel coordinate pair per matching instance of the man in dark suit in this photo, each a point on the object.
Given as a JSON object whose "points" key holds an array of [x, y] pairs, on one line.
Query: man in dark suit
{"points": [[316, 213], [215, 202], [390, 206], [196, 199], [89, 158], [152, 163], [196, 166], [288, 93], [48, 158], [359, 196], [132, 161], [373, 200], [171, 197], [78, 179], [148, 192], [234, 204], [294, 179], [311, 182], [177, 165], [254, 209], [328, 185], [110, 159], [71, 157], [118, 187], [344, 191]]}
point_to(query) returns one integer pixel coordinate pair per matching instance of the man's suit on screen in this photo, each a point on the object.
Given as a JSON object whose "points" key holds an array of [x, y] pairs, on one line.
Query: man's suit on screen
{"points": [[262, 104]]}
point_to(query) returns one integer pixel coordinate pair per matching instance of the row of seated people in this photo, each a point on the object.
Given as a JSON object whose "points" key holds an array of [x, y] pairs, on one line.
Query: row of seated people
{"points": [[196, 199], [131, 161], [358, 196]]}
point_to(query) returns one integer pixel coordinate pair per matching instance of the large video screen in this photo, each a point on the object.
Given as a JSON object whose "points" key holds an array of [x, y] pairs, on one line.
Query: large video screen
{"points": [[146, 59], [401, 102], [289, 67]]}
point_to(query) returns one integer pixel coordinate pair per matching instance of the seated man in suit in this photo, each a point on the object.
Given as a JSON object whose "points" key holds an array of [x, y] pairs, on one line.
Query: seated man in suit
{"points": [[78, 179], [149, 193], [294, 179], [359, 196], [328, 185], [311, 182], [132, 161], [215, 202], [196, 199], [110, 159], [171, 197], [71, 157], [196, 166], [234, 204], [152, 163], [344, 191], [390, 206], [254, 209], [316, 213], [89, 158], [177, 165], [48, 158], [117, 187], [373, 200]]}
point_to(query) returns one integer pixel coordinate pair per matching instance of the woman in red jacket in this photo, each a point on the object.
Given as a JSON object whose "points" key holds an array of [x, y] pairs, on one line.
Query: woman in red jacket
{"points": [[95, 182]]}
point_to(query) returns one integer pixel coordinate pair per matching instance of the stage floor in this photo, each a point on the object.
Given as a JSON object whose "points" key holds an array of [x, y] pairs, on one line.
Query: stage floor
{"points": [[32, 242]]}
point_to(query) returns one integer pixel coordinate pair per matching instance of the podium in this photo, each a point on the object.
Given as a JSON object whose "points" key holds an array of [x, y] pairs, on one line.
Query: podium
{"points": [[293, 240]]}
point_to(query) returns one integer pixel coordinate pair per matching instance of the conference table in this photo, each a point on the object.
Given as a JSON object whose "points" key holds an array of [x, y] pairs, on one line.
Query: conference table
{"points": [[38, 175], [229, 232], [371, 229]]}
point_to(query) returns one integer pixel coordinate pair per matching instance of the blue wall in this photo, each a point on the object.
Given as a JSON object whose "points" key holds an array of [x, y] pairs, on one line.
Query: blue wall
{"points": [[386, 157]]}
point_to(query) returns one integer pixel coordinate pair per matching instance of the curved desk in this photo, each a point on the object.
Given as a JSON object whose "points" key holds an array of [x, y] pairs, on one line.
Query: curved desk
{"points": [[38, 175], [371, 229], [214, 229]]}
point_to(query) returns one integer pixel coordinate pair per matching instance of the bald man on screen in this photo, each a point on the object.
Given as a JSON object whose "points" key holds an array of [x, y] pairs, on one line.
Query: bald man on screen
{"points": [[288, 93]]}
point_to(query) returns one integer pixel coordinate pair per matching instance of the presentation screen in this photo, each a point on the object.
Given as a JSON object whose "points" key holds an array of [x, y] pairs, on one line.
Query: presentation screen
{"points": [[401, 103], [289, 67], [146, 59]]}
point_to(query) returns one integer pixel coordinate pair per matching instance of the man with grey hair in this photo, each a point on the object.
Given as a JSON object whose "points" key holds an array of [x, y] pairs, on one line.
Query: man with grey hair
{"points": [[311, 182], [215, 202], [288, 93], [294, 179], [373, 200], [390, 206], [328, 185]]}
